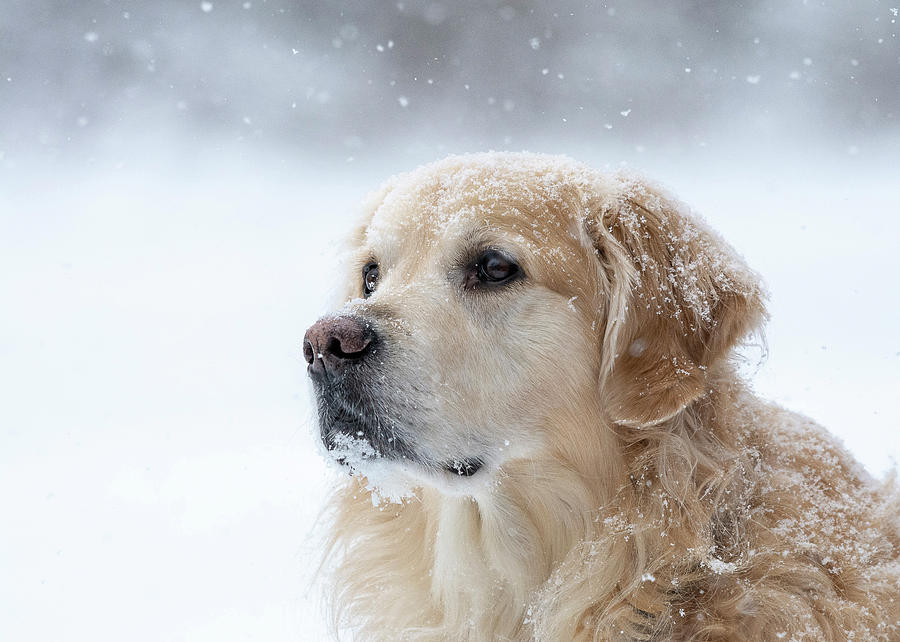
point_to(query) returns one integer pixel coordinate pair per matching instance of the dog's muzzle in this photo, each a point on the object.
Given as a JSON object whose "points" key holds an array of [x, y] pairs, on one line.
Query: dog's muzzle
{"points": [[339, 351], [355, 412]]}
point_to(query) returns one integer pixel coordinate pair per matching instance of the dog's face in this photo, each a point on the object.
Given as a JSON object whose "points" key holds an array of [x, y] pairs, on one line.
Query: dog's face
{"points": [[486, 297]]}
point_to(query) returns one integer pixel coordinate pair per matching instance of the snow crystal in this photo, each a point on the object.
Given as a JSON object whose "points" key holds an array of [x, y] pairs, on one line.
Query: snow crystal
{"points": [[637, 347], [719, 567], [754, 80], [385, 480], [351, 450], [206, 6], [403, 100]]}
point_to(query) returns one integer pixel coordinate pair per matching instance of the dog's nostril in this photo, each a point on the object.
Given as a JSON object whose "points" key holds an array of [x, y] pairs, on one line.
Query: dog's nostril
{"points": [[352, 348], [334, 347], [308, 352]]}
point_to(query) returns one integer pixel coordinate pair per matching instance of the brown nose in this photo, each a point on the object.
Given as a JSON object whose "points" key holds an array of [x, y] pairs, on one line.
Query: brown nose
{"points": [[333, 342]]}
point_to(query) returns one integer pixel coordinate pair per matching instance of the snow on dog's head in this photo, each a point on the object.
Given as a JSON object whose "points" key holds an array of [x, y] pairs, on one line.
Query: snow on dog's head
{"points": [[491, 297]]}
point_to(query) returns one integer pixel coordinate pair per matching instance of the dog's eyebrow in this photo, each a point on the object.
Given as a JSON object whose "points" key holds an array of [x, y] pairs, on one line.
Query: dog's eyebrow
{"points": [[482, 238]]}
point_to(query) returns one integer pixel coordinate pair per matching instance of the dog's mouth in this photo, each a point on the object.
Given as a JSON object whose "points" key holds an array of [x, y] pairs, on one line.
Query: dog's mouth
{"points": [[464, 467], [354, 437]]}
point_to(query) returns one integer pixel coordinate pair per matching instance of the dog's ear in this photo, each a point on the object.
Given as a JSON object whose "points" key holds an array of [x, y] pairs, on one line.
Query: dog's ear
{"points": [[679, 299]]}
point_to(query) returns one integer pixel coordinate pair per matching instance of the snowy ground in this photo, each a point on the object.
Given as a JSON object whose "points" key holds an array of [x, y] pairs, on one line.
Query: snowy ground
{"points": [[158, 478]]}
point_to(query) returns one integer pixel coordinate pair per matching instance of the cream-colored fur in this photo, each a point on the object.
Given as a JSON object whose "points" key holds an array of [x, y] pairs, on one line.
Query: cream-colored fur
{"points": [[634, 488]]}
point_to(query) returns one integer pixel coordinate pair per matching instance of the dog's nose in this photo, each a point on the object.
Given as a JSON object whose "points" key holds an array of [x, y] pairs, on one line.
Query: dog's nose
{"points": [[333, 342]]}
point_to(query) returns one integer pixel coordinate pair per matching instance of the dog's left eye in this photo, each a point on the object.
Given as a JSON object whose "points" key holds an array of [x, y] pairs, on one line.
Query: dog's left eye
{"points": [[492, 267]]}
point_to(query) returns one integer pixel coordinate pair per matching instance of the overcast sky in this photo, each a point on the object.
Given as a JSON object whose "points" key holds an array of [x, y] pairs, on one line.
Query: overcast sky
{"points": [[367, 79]]}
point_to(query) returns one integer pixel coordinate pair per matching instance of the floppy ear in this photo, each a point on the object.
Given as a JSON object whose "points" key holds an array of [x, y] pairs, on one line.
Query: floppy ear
{"points": [[679, 299]]}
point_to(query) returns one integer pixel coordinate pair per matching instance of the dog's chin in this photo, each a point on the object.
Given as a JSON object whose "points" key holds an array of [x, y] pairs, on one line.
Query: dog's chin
{"points": [[394, 476], [457, 477]]}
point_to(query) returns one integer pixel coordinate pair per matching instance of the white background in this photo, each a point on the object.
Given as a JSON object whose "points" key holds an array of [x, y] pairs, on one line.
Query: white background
{"points": [[158, 474]]}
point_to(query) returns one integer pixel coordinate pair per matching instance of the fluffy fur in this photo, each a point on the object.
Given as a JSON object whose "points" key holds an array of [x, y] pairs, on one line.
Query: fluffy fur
{"points": [[634, 487]]}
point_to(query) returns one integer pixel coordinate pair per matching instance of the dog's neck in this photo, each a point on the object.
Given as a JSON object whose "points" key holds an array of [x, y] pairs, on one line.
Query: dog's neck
{"points": [[479, 563], [496, 548]]}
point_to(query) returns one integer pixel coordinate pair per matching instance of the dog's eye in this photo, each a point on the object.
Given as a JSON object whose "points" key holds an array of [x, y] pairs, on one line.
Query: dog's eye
{"points": [[370, 278], [493, 267]]}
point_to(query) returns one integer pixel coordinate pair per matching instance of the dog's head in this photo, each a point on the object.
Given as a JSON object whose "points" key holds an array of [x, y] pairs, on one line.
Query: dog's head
{"points": [[489, 296]]}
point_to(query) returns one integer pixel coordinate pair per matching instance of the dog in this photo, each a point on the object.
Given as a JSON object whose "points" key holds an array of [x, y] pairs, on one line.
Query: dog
{"points": [[533, 385]]}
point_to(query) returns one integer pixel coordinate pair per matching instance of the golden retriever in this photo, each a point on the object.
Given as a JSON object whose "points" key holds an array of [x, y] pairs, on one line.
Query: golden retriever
{"points": [[532, 382]]}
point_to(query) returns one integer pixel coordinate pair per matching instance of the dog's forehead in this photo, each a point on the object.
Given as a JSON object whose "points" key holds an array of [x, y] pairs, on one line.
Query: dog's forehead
{"points": [[435, 207]]}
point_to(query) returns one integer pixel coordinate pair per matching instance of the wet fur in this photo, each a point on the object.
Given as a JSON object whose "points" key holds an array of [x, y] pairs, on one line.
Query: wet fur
{"points": [[665, 501]]}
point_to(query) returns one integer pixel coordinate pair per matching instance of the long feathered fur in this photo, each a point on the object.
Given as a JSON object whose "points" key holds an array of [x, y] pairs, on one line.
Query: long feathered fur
{"points": [[671, 505]]}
